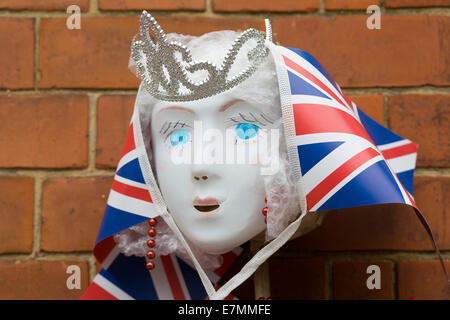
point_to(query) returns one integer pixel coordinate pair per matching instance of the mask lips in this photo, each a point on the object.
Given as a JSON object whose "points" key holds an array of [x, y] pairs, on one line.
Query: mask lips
{"points": [[207, 205], [206, 208]]}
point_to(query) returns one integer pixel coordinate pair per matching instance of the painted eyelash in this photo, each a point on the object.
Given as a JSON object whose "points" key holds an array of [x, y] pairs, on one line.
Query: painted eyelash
{"points": [[264, 117], [173, 125], [246, 120], [256, 119]]}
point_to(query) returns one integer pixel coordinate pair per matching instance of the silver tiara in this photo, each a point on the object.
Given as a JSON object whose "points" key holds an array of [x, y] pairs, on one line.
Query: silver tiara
{"points": [[166, 77]]}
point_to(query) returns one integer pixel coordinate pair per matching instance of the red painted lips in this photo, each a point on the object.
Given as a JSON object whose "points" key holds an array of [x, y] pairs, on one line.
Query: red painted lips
{"points": [[207, 205]]}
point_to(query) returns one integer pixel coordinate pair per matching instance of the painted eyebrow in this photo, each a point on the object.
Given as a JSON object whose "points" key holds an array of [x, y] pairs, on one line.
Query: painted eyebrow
{"points": [[229, 104], [222, 108], [176, 108]]}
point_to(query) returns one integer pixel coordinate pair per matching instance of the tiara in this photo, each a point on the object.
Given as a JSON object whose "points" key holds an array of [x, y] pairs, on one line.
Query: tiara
{"points": [[166, 75]]}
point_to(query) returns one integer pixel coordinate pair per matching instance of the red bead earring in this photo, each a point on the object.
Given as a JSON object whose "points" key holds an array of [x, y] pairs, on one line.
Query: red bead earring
{"points": [[264, 211], [151, 243]]}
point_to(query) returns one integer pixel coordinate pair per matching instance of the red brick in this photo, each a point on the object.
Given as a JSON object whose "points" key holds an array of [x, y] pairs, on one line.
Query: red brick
{"points": [[98, 267], [72, 209], [349, 4], [96, 56], [264, 5], [416, 3], [113, 118], [43, 4], [16, 214], [431, 196], [384, 227], [350, 280], [373, 106], [17, 62], [358, 57], [43, 131], [422, 280], [151, 5], [40, 279], [424, 119], [297, 279]]}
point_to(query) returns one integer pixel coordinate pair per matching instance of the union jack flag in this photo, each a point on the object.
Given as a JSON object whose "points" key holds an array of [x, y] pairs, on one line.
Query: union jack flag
{"points": [[341, 157], [344, 158]]}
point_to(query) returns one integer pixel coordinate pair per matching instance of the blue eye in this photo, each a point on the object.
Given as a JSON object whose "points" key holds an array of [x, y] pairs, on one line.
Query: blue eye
{"points": [[180, 136], [246, 131]]}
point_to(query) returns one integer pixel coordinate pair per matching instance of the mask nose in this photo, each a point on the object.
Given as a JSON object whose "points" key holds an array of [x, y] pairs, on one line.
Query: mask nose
{"points": [[199, 177], [202, 174]]}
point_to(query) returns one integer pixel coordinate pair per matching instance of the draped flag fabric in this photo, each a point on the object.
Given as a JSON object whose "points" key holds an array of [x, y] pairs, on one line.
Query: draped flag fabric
{"points": [[342, 158]]}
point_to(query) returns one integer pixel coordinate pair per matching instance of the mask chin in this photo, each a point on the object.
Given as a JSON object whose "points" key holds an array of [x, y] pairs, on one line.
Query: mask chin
{"points": [[215, 245]]}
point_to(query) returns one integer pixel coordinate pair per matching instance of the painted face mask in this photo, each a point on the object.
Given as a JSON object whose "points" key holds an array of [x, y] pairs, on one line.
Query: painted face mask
{"points": [[233, 137]]}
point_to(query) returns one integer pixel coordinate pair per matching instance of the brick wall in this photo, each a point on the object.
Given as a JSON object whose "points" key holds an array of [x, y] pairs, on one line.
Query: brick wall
{"points": [[66, 97]]}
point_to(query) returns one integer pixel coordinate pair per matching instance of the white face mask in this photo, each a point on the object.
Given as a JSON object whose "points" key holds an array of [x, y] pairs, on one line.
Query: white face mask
{"points": [[215, 201]]}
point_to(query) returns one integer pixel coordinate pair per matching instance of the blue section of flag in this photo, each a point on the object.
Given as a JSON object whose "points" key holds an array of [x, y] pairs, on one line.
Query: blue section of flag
{"points": [[109, 277], [315, 63], [379, 134], [407, 178], [115, 220], [192, 280], [131, 171], [133, 277], [311, 154], [300, 86], [375, 185]]}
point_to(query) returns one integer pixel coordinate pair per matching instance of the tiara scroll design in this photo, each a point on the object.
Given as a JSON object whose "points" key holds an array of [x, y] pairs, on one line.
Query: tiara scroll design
{"points": [[166, 76]]}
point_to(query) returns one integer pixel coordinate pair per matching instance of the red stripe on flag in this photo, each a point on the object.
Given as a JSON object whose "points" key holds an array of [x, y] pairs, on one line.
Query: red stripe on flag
{"points": [[95, 292], [409, 197], [103, 248], [399, 151], [291, 64], [228, 259], [131, 191], [129, 141], [317, 118], [322, 189], [172, 277]]}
